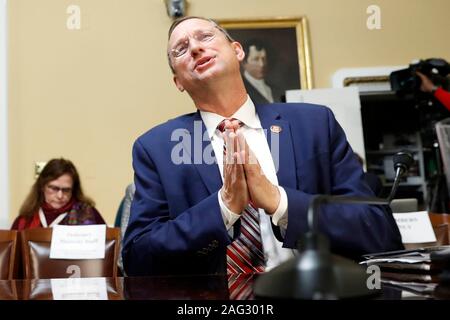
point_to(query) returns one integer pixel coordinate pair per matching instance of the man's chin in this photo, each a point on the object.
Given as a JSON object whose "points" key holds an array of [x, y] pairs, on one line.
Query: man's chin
{"points": [[206, 74]]}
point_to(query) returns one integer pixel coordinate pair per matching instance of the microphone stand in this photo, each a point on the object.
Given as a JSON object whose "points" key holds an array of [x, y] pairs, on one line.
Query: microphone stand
{"points": [[316, 273], [402, 162]]}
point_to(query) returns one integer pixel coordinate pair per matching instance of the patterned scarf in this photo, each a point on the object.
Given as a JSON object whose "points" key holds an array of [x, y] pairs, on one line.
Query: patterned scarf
{"points": [[51, 213], [49, 210], [77, 214]]}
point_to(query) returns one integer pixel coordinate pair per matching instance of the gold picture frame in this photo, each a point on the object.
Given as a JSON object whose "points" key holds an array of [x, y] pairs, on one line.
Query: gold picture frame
{"points": [[288, 38], [365, 80]]}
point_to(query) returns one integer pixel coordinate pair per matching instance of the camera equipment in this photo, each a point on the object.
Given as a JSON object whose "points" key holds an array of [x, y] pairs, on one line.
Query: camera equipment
{"points": [[407, 81], [175, 8]]}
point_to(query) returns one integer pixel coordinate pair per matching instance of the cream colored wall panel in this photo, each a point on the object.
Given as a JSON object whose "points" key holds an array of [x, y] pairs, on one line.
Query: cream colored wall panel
{"points": [[87, 94]]}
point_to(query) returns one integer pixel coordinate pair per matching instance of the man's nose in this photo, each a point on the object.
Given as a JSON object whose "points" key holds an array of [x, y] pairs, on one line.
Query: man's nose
{"points": [[195, 46]]}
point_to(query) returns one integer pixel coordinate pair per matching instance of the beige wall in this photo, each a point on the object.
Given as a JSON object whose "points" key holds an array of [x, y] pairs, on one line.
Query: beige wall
{"points": [[86, 95]]}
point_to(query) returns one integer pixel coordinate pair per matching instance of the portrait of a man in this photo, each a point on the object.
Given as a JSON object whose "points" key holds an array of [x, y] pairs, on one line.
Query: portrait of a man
{"points": [[255, 66], [273, 60]]}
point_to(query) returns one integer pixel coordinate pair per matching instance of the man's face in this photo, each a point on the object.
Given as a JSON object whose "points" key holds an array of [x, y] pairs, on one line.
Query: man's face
{"points": [[256, 62], [199, 51]]}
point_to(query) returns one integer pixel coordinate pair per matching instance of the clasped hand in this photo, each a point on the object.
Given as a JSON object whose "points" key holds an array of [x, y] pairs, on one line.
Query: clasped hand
{"points": [[244, 179]]}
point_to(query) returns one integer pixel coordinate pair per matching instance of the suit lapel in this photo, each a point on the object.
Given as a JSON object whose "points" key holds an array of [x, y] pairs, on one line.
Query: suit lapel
{"points": [[199, 142], [280, 144]]}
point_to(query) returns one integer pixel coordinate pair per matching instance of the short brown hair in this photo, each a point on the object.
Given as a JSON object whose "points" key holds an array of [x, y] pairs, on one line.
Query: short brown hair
{"points": [[176, 22]]}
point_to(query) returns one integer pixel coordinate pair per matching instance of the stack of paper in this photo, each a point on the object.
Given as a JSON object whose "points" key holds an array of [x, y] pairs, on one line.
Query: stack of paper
{"points": [[410, 265], [408, 261]]}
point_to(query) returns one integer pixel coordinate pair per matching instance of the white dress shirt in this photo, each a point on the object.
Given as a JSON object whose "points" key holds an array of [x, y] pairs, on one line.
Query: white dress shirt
{"points": [[260, 85], [253, 132]]}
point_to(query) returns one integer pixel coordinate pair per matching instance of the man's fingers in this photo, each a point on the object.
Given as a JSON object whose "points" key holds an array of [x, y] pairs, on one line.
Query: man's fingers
{"points": [[249, 156], [239, 161], [238, 149], [226, 155], [231, 125], [227, 175], [230, 145], [235, 124], [243, 148], [252, 157], [234, 175]]}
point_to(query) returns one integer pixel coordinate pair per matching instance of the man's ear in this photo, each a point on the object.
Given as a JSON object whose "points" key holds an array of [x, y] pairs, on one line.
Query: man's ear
{"points": [[240, 53], [178, 84]]}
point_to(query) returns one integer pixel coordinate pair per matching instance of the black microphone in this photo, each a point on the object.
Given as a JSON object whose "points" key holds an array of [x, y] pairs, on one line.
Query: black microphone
{"points": [[402, 162], [316, 273]]}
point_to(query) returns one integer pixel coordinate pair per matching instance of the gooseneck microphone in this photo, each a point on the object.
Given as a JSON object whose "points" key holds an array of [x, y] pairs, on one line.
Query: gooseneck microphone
{"points": [[402, 162], [315, 273]]}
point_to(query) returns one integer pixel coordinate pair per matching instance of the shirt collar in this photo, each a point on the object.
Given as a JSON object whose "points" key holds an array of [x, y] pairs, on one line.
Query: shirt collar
{"points": [[246, 113], [253, 80]]}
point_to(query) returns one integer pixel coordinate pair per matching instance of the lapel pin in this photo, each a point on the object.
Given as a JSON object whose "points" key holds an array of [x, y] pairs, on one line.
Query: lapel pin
{"points": [[275, 129]]}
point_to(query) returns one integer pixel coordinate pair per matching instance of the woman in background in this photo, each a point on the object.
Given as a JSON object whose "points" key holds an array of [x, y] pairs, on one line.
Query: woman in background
{"points": [[57, 198]]}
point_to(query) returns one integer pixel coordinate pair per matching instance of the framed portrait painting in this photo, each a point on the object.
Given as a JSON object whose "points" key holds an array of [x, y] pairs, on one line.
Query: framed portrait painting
{"points": [[277, 55]]}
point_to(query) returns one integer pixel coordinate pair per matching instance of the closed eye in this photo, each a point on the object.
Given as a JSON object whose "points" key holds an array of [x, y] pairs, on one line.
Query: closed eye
{"points": [[205, 37]]}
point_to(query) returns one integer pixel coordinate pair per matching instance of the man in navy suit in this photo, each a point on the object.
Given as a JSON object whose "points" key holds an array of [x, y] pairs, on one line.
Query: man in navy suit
{"points": [[190, 195]]}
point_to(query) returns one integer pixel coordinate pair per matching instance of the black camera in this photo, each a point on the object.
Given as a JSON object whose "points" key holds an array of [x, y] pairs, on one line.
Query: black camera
{"points": [[407, 81], [175, 8]]}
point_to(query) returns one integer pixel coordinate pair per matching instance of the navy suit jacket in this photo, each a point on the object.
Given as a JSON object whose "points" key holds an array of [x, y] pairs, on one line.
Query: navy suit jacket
{"points": [[176, 226]]}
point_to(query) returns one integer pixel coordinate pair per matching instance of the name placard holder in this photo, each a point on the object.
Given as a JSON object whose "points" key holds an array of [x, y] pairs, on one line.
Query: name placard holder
{"points": [[78, 242], [415, 227]]}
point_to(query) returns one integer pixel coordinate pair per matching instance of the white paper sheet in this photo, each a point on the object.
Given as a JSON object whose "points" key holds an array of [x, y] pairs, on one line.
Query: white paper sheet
{"points": [[415, 227], [78, 242], [79, 289]]}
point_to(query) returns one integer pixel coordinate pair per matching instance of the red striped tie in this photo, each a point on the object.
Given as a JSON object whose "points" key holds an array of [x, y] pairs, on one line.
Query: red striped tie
{"points": [[245, 254], [240, 286]]}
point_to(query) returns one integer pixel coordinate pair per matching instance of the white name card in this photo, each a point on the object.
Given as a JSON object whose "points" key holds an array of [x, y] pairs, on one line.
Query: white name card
{"points": [[415, 227], [78, 242], [79, 289]]}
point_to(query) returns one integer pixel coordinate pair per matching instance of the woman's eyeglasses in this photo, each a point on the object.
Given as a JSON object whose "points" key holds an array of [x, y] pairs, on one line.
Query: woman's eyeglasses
{"points": [[55, 189]]}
